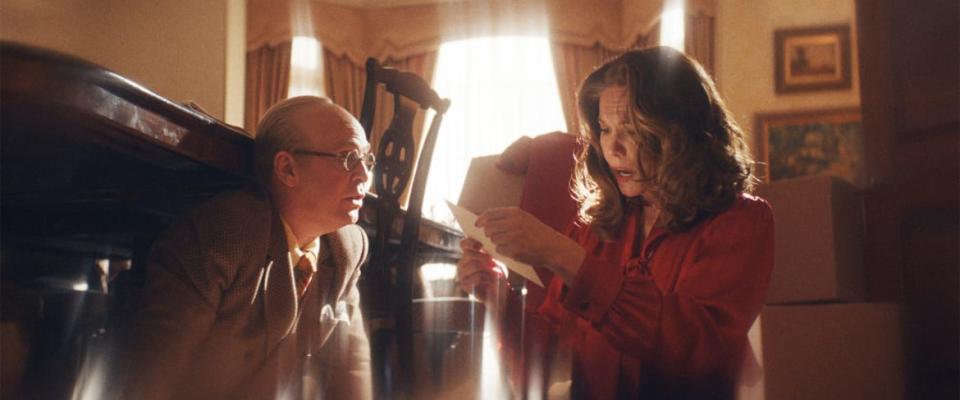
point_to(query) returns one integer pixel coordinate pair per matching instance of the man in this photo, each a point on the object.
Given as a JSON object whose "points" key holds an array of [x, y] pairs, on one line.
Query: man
{"points": [[253, 295]]}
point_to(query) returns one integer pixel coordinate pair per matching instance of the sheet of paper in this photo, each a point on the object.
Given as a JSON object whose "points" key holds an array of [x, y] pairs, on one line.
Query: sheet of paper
{"points": [[467, 219]]}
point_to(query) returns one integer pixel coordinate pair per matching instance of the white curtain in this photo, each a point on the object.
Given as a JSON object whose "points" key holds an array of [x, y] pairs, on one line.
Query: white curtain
{"points": [[501, 88]]}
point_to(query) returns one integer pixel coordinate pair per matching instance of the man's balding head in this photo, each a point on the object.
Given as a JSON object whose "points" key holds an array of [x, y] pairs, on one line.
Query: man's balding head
{"points": [[298, 144], [277, 132]]}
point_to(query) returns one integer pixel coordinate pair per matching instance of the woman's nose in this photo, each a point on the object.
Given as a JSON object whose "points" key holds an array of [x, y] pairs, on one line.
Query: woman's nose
{"points": [[617, 144]]}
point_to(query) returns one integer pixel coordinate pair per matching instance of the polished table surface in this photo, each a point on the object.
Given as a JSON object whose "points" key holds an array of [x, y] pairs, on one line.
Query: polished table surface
{"points": [[88, 152]]}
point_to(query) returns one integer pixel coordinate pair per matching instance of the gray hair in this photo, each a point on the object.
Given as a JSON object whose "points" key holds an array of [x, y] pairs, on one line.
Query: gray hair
{"points": [[276, 133]]}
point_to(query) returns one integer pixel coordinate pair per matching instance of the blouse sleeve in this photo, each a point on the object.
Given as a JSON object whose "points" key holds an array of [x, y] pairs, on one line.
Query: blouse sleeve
{"points": [[719, 291]]}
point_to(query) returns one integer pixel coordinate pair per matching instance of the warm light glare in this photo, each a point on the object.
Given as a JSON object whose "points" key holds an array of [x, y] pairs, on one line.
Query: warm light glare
{"points": [[438, 272], [492, 384], [500, 88], [304, 53], [671, 25], [91, 379], [306, 74]]}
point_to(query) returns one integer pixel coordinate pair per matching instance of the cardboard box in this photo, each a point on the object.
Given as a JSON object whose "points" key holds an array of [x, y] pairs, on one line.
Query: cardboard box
{"points": [[827, 351], [818, 242], [543, 166]]}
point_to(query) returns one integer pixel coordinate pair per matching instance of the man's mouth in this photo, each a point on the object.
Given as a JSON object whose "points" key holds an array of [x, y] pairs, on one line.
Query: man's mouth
{"points": [[356, 199]]}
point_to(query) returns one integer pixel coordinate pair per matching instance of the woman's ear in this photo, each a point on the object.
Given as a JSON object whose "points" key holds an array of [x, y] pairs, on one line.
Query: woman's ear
{"points": [[285, 169]]}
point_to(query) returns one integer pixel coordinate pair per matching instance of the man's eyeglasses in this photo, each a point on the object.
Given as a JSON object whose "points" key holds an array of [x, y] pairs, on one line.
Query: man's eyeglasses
{"points": [[348, 160]]}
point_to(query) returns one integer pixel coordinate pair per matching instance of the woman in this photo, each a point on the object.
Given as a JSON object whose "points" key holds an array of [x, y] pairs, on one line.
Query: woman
{"points": [[657, 284]]}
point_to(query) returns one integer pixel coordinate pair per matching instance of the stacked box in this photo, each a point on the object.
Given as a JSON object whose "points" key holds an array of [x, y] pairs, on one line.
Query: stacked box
{"points": [[816, 338], [817, 252], [827, 351]]}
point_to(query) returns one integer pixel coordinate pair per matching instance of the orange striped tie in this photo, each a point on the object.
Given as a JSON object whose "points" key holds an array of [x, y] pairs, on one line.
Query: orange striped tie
{"points": [[303, 273]]}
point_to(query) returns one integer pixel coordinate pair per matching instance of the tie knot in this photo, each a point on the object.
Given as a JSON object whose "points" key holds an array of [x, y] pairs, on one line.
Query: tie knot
{"points": [[304, 272], [307, 261]]}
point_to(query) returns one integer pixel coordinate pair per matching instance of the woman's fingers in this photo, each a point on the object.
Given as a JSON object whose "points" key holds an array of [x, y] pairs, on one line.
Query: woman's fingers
{"points": [[512, 250], [501, 215], [478, 278], [475, 267], [507, 228], [521, 236], [475, 261], [469, 244], [478, 274]]}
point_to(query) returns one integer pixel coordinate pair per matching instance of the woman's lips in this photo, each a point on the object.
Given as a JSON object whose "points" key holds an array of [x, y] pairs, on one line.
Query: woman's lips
{"points": [[623, 175]]}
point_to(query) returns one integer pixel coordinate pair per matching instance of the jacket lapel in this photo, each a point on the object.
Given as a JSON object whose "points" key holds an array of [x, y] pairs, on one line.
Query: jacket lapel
{"points": [[280, 295], [334, 272], [332, 280], [343, 260]]}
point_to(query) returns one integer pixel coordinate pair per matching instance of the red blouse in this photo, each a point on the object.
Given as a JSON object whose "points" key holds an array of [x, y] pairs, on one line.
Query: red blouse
{"points": [[667, 312]]}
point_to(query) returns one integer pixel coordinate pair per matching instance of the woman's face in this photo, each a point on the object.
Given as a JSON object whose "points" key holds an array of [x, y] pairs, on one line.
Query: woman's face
{"points": [[618, 141]]}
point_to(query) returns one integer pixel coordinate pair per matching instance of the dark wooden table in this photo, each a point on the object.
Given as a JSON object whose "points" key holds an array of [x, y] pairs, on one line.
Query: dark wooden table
{"points": [[93, 166]]}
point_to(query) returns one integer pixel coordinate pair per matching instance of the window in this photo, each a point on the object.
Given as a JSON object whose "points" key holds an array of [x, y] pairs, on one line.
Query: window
{"points": [[501, 88], [672, 25], [306, 71]]}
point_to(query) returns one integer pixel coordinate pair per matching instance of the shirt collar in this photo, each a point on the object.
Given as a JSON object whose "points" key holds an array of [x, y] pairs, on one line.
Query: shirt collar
{"points": [[297, 252]]}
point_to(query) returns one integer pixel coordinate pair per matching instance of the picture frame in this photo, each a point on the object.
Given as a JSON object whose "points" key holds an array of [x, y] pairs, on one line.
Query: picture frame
{"points": [[812, 59], [809, 143]]}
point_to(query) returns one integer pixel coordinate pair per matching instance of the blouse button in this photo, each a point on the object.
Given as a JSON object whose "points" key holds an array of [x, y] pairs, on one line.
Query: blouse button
{"points": [[584, 306]]}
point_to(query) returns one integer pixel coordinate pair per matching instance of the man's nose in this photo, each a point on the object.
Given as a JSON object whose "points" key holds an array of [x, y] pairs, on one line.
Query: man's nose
{"points": [[361, 173]]}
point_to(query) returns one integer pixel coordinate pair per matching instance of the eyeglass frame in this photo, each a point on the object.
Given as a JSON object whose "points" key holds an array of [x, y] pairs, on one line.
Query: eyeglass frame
{"points": [[344, 158]]}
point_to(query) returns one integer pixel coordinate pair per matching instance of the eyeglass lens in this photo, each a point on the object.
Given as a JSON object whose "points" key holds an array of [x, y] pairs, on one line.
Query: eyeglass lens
{"points": [[353, 158]]}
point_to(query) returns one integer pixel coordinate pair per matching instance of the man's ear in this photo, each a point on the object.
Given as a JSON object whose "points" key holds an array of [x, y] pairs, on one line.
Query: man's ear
{"points": [[285, 169]]}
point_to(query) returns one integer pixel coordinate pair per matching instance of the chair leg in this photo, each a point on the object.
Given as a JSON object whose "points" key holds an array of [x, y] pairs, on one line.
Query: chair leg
{"points": [[384, 362]]}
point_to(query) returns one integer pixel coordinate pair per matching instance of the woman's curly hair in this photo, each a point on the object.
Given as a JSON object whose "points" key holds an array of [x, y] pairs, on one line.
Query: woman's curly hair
{"points": [[699, 160]]}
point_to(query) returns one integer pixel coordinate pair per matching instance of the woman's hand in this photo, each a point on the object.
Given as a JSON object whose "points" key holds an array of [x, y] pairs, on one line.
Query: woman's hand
{"points": [[521, 236], [478, 274]]}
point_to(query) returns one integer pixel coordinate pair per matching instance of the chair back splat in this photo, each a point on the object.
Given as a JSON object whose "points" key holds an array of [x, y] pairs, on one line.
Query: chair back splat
{"points": [[388, 281]]}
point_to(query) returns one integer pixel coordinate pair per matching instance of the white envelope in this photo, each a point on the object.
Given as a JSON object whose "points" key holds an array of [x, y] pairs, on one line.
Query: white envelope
{"points": [[467, 219]]}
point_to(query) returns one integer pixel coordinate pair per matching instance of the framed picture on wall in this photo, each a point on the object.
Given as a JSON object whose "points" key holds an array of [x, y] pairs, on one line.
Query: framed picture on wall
{"points": [[811, 59], [809, 143]]}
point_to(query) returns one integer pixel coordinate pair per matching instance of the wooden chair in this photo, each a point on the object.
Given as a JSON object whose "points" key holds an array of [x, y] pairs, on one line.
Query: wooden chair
{"points": [[388, 283]]}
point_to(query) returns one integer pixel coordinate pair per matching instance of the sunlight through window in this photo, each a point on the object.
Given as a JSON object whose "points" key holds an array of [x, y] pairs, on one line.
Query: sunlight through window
{"points": [[501, 88], [672, 25], [306, 77]]}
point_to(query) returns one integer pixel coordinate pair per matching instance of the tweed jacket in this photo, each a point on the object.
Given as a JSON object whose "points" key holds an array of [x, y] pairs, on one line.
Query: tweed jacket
{"points": [[221, 319]]}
